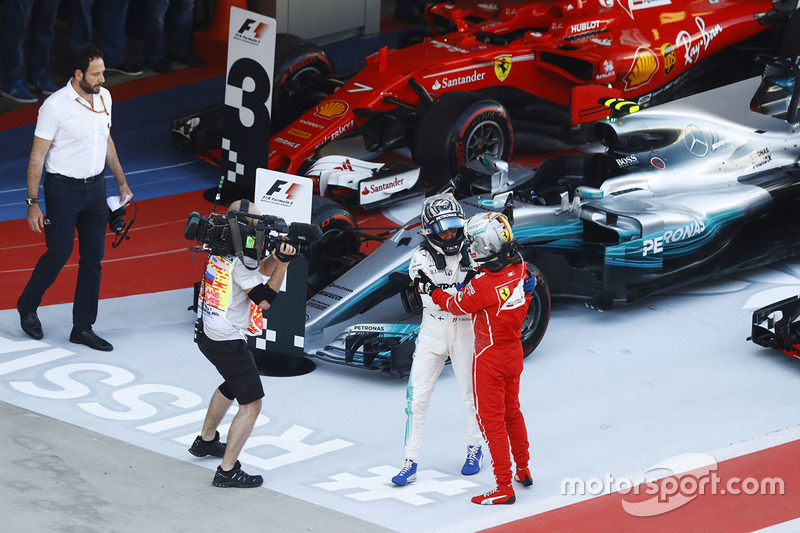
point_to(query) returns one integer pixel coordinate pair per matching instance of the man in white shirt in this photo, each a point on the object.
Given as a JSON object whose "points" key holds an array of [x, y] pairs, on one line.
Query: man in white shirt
{"points": [[72, 144]]}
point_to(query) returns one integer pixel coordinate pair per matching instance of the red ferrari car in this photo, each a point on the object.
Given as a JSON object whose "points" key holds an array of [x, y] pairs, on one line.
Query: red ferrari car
{"points": [[494, 68]]}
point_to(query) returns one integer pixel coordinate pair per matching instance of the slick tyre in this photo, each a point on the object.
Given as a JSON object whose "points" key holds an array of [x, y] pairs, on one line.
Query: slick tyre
{"points": [[538, 317], [456, 128], [338, 249], [296, 60]]}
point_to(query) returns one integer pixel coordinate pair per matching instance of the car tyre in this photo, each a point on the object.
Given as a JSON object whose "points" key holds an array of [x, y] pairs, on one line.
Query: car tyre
{"points": [[458, 127], [295, 58], [538, 317], [338, 249]]}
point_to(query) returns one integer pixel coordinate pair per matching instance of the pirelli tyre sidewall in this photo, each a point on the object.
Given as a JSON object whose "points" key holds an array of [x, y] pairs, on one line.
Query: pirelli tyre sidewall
{"points": [[295, 57], [538, 317], [328, 256], [456, 128]]}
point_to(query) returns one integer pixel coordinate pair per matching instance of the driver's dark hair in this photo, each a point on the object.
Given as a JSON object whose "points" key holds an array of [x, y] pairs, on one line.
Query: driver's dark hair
{"points": [[80, 58]]}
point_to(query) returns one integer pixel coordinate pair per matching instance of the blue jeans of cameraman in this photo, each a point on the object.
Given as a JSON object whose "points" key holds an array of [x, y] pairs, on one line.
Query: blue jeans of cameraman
{"points": [[71, 204], [180, 28]]}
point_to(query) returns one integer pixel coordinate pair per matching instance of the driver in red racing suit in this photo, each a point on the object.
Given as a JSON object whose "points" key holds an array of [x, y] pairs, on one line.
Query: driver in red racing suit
{"points": [[496, 297]]}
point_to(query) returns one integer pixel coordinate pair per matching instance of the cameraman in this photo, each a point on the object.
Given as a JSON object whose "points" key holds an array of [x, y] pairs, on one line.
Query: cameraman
{"points": [[230, 289]]}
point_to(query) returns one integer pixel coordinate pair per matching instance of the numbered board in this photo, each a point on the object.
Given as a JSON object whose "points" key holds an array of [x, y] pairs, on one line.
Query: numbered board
{"points": [[248, 100]]}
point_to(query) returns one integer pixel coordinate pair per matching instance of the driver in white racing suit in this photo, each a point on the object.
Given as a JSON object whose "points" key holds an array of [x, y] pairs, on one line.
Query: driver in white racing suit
{"points": [[444, 257]]}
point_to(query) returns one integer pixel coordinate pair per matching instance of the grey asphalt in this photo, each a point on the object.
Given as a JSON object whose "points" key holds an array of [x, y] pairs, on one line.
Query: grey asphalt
{"points": [[57, 477]]}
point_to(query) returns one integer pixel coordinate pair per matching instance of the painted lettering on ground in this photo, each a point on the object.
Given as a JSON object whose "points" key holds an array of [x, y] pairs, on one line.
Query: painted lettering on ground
{"points": [[133, 401]]}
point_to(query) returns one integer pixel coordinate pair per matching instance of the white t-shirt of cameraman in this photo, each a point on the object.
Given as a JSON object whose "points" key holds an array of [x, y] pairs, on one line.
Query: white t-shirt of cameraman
{"points": [[227, 311]]}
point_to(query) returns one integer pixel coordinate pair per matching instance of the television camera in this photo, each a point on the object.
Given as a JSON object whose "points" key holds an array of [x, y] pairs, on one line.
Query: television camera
{"points": [[245, 234]]}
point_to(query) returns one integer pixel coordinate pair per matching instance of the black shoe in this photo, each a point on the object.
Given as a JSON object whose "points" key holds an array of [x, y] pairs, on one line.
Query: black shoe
{"points": [[90, 339], [236, 478], [29, 322], [161, 66], [125, 68], [190, 60], [202, 448]]}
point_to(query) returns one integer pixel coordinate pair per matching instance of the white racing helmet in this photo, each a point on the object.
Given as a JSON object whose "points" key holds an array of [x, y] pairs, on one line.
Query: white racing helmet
{"points": [[442, 212], [488, 235]]}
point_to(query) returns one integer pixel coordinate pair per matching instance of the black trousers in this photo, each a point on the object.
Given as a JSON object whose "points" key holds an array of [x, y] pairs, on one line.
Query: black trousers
{"points": [[71, 204]]}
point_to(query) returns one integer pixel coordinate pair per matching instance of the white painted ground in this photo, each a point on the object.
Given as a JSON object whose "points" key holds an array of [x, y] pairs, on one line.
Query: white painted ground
{"points": [[605, 393]]}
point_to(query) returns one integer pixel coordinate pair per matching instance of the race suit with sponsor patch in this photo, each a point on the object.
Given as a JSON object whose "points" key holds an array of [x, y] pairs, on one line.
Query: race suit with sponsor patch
{"points": [[441, 335], [498, 304]]}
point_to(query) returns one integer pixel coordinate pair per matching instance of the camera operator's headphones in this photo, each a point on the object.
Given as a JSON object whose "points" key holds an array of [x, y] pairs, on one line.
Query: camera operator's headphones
{"points": [[233, 224], [244, 208]]}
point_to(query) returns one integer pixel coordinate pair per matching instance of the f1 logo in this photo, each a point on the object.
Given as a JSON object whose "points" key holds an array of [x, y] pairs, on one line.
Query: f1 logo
{"points": [[256, 31], [276, 187], [282, 189]]}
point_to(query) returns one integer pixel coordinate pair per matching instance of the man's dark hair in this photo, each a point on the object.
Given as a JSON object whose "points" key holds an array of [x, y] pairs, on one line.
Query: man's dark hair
{"points": [[83, 55]]}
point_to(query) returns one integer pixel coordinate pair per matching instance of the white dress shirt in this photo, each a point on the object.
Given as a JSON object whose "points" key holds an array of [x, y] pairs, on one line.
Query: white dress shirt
{"points": [[78, 131]]}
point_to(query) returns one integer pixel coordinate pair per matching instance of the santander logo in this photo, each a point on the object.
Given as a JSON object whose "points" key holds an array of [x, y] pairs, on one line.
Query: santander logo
{"points": [[381, 187]]}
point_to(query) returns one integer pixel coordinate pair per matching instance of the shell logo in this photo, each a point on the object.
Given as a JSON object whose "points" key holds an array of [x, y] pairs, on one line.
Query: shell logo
{"points": [[645, 64], [331, 109]]}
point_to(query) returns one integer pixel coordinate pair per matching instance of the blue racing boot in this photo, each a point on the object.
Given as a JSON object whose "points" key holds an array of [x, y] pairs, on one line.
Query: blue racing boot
{"points": [[407, 474], [473, 463]]}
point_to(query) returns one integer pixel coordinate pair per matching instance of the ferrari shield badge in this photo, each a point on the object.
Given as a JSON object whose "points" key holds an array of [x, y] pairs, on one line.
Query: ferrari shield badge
{"points": [[503, 293], [502, 66]]}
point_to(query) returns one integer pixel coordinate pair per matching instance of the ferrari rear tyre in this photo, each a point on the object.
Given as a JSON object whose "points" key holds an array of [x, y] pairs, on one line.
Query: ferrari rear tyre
{"points": [[295, 58], [338, 248], [456, 128], [538, 317]]}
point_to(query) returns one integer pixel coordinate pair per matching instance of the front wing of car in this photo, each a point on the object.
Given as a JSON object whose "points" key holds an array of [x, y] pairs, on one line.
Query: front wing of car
{"points": [[776, 326]]}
